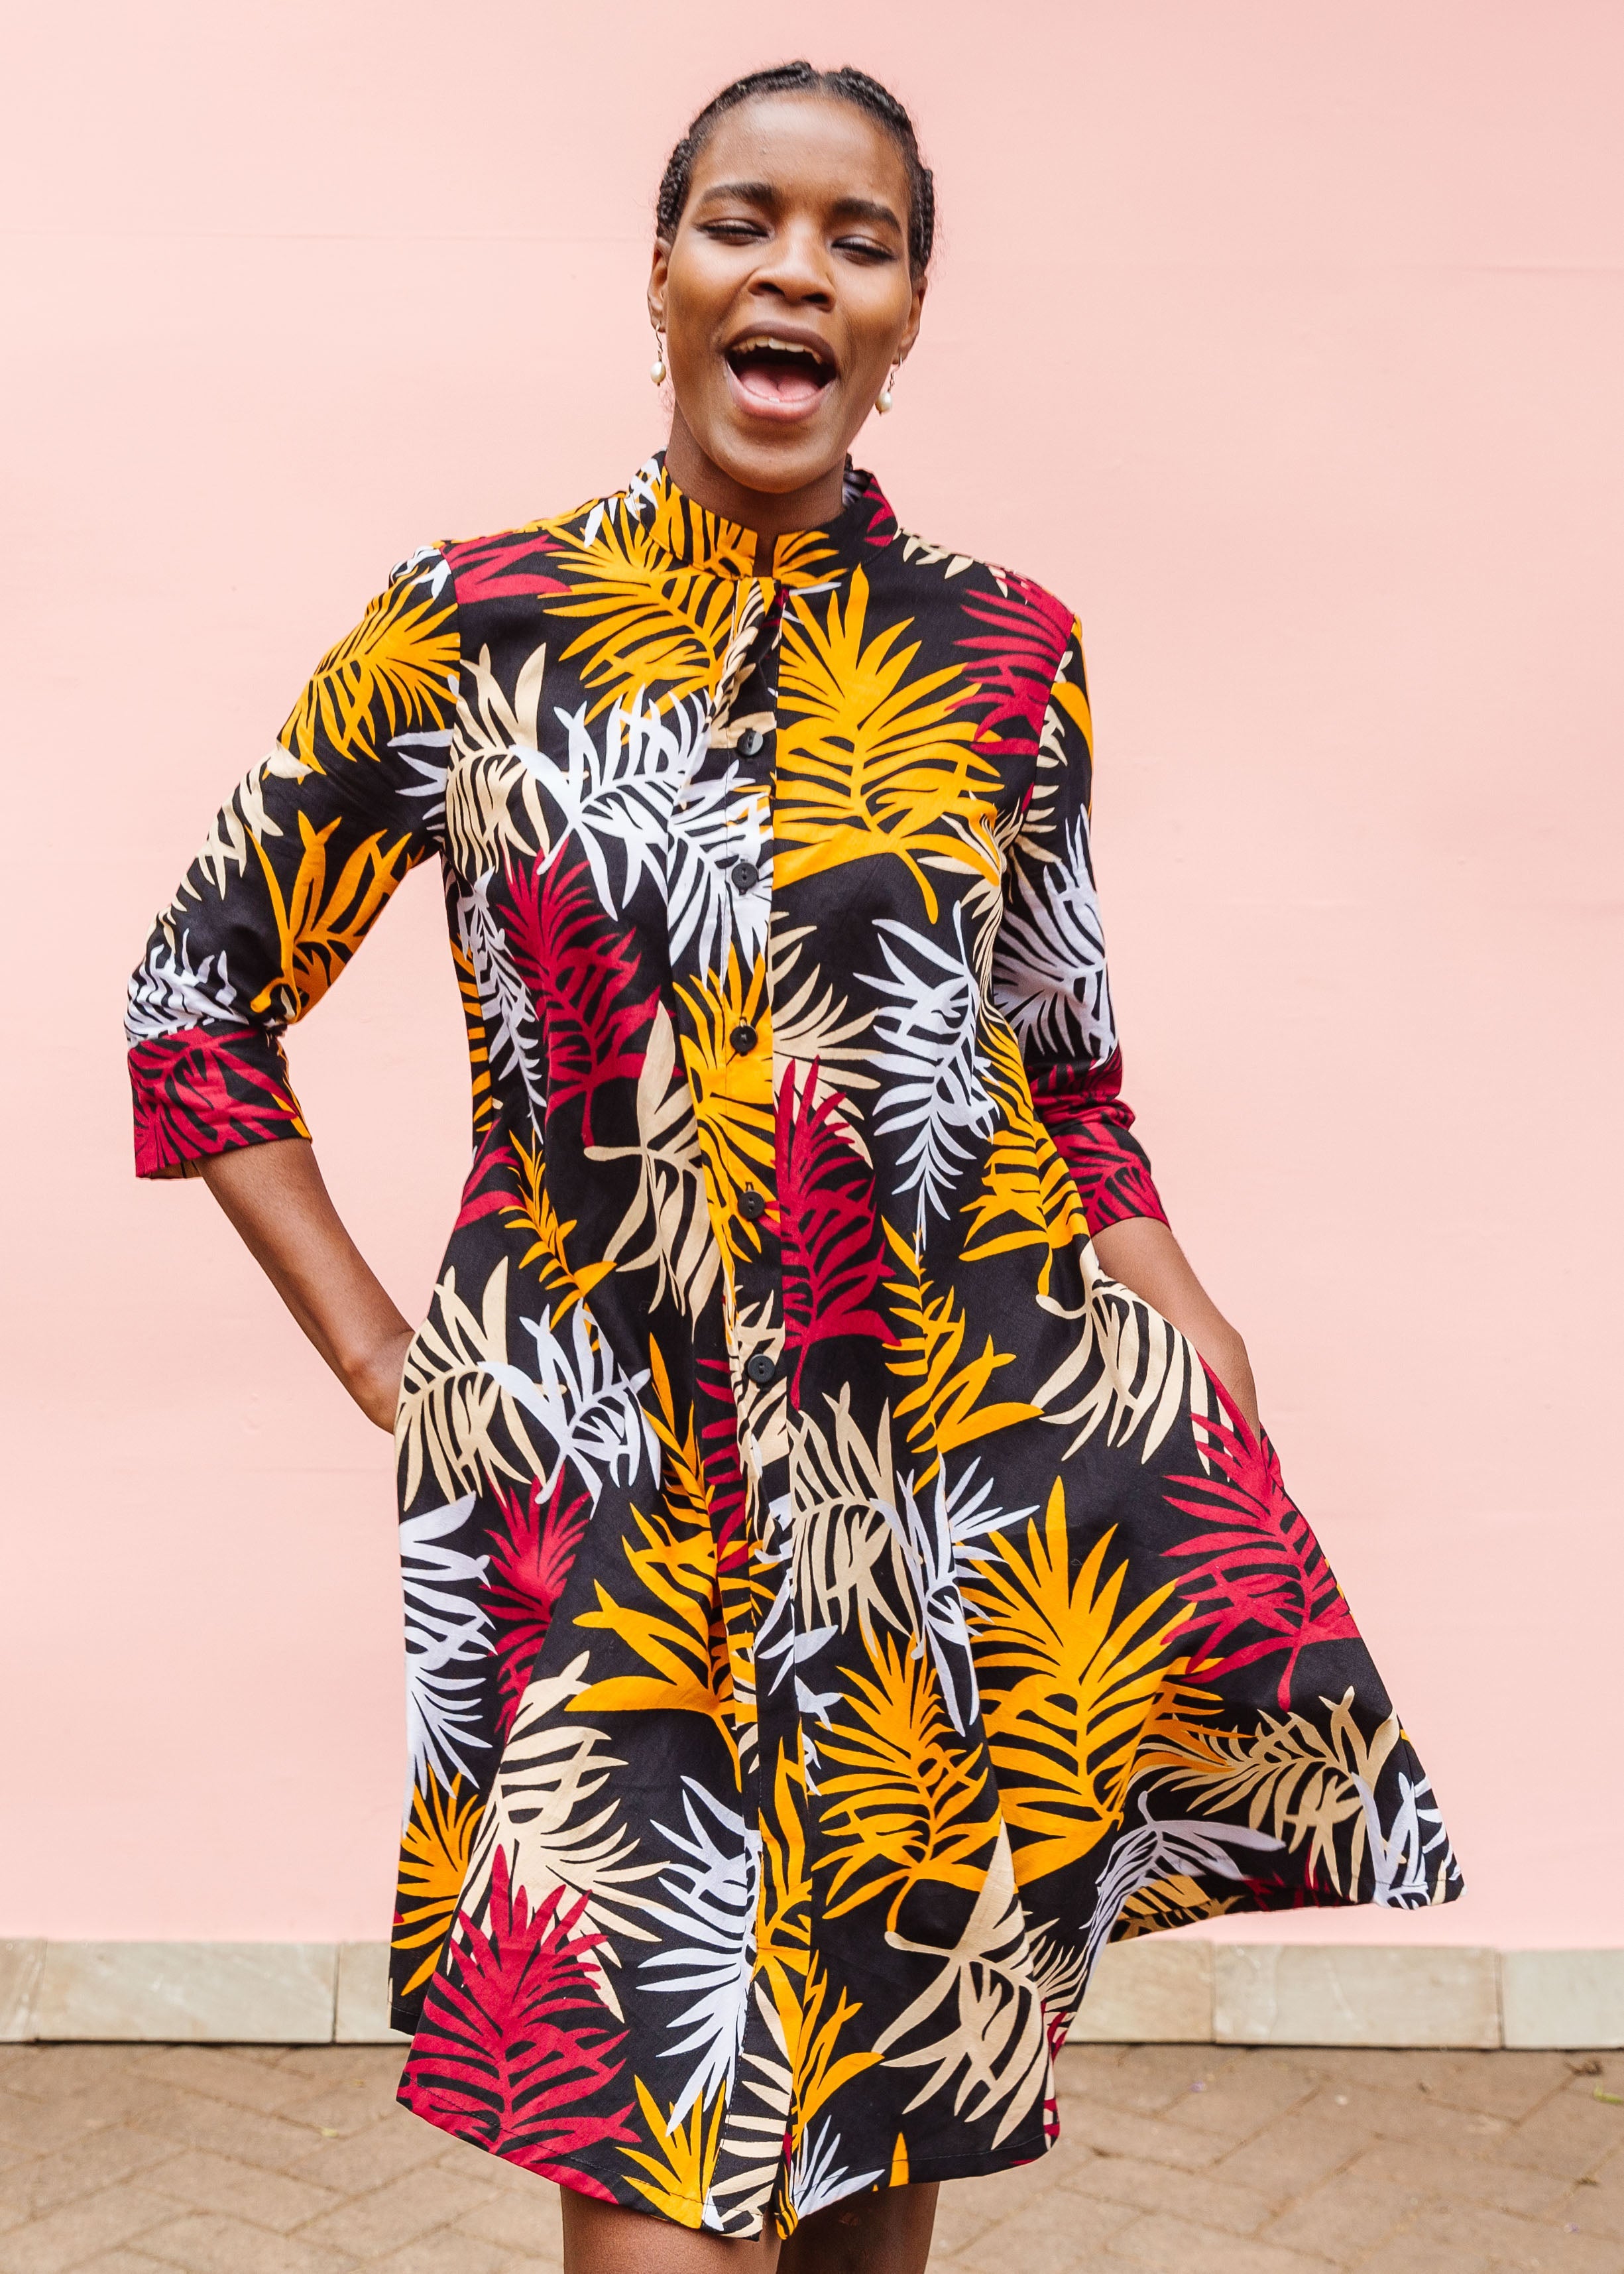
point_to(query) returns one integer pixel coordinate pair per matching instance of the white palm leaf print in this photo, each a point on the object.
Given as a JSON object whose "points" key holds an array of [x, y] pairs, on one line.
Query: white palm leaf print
{"points": [[995, 2030], [428, 756], [709, 1913], [1049, 972], [242, 819], [670, 1200], [817, 2176], [169, 992], [545, 1812], [1413, 1859], [1130, 1370], [812, 1025], [447, 1631], [1152, 1851], [935, 1541], [513, 1039], [935, 1091], [620, 790], [714, 823], [845, 1531], [587, 1407]]}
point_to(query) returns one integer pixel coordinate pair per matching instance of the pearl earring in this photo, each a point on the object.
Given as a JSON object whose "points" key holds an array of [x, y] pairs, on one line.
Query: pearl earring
{"points": [[885, 400], [657, 369]]}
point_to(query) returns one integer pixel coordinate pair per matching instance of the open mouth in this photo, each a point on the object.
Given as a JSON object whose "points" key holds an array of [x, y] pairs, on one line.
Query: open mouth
{"points": [[778, 374]]}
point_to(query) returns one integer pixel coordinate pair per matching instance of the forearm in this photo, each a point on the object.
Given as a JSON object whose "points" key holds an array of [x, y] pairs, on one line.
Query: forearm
{"points": [[275, 1198], [1144, 1255]]}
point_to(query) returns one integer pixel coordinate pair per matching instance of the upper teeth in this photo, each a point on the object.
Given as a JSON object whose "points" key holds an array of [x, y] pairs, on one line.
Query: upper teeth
{"points": [[783, 347]]}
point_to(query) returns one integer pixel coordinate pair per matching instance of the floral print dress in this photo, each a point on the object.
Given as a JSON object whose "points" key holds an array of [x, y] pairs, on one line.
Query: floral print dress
{"points": [[835, 1608]]}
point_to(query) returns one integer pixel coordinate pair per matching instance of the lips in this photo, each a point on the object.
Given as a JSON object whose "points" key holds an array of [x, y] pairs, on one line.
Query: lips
{"points": [[778, 377]]}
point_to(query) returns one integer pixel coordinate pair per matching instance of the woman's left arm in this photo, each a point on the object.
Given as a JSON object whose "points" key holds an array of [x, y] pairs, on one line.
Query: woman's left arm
{"points": [[1143, 1254], [1049, 980]]}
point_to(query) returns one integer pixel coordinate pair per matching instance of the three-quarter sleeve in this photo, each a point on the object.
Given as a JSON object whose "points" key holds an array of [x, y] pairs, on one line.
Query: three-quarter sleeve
{"points": [[298, 864], [1048, 972]]}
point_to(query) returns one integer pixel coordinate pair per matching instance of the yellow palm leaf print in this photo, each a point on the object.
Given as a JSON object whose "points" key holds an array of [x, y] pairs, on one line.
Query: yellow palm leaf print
{"points": [[648, 625], [869, 762], [911, 1802], [732, 1094], [943, 1411], [478, 1042], [1066, 1687], [1024, 1183], [318, 929], [533, 1211], [435, 1849], [676, 1629], [397, 670], [684, 2156], [819, 2072]]}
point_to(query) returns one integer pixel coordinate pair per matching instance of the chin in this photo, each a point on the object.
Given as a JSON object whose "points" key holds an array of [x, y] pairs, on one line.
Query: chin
{"points": [[778, 461]]}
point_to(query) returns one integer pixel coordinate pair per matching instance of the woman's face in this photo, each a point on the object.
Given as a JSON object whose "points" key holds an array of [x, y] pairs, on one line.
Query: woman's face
{"points": [[785, 296]]}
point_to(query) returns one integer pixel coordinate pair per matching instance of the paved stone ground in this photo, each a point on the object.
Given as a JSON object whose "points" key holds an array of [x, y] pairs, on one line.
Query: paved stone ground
{"points": [[144, 2159]]}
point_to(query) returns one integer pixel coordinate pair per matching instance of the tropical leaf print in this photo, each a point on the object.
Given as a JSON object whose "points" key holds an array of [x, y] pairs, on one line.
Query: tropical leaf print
{"points": [[1067, 1685], [684, 2155], [705, 1900], [673, 1622], [670, 1206], [1016, 657], [931, 1053], [509, 1178], [393, 671], [910, 1801], [448, 1643], [514, 2042], [872, 760], [1025, 1187], [833, 1260], [732, 1093], [436, 1849], [320, 926], [1156, 1850], [647, 624], [531, 1553], [944, 1410], [581, 972], [1254, 1565]]}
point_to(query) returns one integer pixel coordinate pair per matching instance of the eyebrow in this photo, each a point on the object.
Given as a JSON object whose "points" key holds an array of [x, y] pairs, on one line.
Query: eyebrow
{"points": [[764, 193]]}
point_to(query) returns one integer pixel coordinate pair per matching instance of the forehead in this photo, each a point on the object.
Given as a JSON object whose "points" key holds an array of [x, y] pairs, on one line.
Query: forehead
{"points": [[812, 145]]}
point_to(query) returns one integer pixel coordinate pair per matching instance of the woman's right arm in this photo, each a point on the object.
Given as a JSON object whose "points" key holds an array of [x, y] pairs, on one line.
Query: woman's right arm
{"points": [[274, 1195], [297, 867]]}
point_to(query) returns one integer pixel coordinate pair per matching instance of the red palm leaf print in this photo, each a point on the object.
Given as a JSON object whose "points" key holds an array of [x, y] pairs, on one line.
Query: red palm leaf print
{"points": [[1260, 1566], [718, 1454], [514, 2046], [529, 1562], [192, 1086], [1016, 661], [833, 1266], [582, 969]]}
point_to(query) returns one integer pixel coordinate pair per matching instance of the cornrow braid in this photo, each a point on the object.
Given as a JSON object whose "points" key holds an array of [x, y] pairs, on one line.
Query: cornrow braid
{"points": [[846, 85]]}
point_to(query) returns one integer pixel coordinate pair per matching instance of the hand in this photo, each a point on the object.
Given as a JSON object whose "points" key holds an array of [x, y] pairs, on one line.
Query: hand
{"points": [[1144, 1255], [375, 1381]]}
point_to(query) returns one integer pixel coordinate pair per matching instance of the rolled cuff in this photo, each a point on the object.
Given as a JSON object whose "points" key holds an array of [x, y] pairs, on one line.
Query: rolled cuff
{"points": [[1082, 1109], [205, 1091]]}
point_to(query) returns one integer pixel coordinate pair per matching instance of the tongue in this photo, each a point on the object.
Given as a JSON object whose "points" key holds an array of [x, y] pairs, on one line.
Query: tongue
{"points": [[778, 382]]}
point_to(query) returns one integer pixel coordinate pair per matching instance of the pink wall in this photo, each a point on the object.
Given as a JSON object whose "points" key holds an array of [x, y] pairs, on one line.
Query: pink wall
{"points": [[1289, 342]]}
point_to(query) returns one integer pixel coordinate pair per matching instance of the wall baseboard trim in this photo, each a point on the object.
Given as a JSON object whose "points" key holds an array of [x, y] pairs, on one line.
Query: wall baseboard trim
{"points": [[1162, 1990]]}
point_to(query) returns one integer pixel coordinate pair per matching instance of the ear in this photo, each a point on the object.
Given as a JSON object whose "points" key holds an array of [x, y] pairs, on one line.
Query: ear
{"points": [[658, 269], [910, 330]]}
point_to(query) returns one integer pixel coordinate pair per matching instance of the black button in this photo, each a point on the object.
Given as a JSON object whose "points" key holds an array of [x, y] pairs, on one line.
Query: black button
{"points": [[752, 1203], [746, 876], [751, 742], [761, 1365], [743, 1039]]}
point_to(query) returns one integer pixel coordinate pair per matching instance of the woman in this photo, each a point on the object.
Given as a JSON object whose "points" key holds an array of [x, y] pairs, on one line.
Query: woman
{"points": [[846, 1583]]}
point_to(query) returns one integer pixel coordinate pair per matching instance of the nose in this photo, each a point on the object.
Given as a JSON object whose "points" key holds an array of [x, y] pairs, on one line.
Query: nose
{"points": [[796, 268]]}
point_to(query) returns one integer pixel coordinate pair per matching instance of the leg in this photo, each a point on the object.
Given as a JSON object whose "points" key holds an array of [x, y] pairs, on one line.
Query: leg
{"points": [[883, 2234], [601, 2238]]}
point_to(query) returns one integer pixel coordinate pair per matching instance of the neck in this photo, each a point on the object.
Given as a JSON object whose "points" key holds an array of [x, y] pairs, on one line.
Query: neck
{"points": [[770, 513]]}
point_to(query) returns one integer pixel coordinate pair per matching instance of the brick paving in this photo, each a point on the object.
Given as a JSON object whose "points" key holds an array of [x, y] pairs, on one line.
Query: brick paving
{"points": [[1180, 2159]]}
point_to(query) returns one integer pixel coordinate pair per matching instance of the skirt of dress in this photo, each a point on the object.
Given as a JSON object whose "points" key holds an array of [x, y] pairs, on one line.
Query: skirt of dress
{"points": [[755, 1861]]}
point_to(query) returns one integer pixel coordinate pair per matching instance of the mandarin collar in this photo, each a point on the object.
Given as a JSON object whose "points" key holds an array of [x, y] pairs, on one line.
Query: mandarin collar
{"points": [[680, 533]]}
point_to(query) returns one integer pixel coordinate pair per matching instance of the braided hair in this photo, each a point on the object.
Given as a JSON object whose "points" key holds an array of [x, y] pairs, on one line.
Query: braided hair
{"points": [[846, 85]]}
